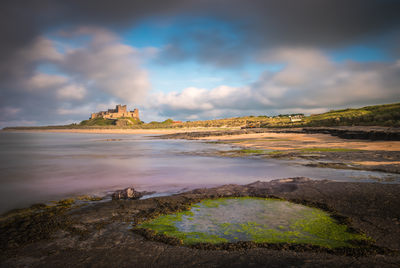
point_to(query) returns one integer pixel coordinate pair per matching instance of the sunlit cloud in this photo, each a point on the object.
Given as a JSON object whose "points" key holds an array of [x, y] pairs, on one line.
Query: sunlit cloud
{"points": [[310, 82]]}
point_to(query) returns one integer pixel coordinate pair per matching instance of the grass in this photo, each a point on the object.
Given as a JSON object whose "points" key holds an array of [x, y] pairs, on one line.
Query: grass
{"points": [[275, 153], [328, 150], [378, 115], [98, 122], [241, 152], [316, 227], [110, 122], [257, 140]]}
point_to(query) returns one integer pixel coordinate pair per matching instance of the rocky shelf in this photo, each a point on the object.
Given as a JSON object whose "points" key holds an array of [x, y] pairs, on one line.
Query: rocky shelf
{"points": [[101, 233]]}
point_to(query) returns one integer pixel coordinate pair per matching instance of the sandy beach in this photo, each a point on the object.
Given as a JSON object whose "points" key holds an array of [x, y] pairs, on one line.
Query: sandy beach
{"points": [[117, 130], [290, 141]]}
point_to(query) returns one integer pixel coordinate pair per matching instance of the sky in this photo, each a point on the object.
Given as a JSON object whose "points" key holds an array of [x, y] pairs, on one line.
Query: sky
{"points": [[194, 59]]}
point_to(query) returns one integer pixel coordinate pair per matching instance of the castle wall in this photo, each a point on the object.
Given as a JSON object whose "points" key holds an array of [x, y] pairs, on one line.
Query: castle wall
{"points": [[118, 112]]}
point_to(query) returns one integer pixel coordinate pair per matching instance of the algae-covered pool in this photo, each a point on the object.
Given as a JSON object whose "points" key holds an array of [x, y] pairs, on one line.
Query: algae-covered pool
{"points": [[253, 219]]}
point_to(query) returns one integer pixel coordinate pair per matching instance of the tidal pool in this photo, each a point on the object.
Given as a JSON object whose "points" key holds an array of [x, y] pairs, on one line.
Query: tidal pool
{"points": [[254, 219]]}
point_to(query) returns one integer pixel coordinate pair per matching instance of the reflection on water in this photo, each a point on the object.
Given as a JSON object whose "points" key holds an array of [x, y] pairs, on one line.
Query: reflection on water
{"points": [[226, 217], [38, 167]]}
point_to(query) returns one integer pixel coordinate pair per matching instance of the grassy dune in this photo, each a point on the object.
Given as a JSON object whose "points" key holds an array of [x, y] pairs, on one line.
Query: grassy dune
{"points": [[377, 115]]}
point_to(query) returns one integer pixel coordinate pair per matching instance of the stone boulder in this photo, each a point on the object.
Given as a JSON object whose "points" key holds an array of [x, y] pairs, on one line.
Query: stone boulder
{"points": [[127, 193]]}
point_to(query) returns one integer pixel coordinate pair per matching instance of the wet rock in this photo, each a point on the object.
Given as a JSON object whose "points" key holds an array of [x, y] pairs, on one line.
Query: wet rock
{"points": [[108, 240], [128, 193]]}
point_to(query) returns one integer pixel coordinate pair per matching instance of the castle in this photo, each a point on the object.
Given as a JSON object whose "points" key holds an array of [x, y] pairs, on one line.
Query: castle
{"points": [[118, 112]]}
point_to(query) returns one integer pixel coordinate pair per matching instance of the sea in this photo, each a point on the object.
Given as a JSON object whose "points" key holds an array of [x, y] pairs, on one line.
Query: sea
{"points": [[41, 167]]}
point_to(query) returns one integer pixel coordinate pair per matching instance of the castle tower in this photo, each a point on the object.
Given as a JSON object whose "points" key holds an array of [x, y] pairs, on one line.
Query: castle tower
{"points": [[120, 109], [135, 113]]}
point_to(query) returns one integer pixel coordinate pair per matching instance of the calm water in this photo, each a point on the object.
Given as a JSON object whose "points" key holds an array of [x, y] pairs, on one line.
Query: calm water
{"points": [[39, 167]]}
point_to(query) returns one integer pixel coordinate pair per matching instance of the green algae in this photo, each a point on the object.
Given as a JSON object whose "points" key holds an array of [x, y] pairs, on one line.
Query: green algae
{"points": [[166, 225], [65, 202], [212, 203], [261, 220], [250, 151], [22, 226], [89, 198]]}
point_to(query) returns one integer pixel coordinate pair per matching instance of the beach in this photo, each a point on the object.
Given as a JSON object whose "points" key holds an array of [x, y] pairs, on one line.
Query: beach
{"points": [[109, 130], [373, 152]]}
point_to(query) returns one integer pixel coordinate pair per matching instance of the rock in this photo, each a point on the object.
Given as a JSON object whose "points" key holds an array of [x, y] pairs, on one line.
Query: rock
{"points": [[127, 193]]}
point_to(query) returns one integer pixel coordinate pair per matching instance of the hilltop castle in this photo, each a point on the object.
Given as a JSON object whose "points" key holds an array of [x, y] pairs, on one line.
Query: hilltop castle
{"points": [[118, 112]]}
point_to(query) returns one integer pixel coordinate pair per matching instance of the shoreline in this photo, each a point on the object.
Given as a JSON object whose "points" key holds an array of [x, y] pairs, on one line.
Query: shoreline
{"points": [[100, 233], [374, 133], [161, 131], [320, 150]]}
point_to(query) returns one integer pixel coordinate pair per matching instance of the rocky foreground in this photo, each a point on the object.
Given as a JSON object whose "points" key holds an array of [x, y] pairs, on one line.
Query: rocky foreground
{"points": [[100, 234]]}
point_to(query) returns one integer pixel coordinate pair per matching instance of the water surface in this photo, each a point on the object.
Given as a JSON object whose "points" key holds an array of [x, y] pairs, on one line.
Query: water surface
{"points": [[253, 219], [39, 167]]}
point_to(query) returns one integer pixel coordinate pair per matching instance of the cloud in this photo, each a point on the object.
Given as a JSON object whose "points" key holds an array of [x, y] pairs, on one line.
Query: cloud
{"points": [[311, 79], [25, 60], [271, 23], [258, 25], [84, 110], [71, 92], [45, 81], [107, 65], [8, 111], [222, 47], [310, 82], [98, 70]]}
